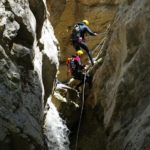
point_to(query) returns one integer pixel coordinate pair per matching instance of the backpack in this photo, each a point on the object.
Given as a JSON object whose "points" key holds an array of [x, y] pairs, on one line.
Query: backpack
{"points": [[71, 65], [76, 32]]}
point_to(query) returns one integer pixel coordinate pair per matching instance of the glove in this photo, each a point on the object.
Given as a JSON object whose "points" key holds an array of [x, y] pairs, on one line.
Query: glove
{"points": [[95, 34], [86, 67]]}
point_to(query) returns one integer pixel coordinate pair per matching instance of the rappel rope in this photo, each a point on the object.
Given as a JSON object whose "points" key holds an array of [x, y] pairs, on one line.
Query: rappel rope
{"points": [[102, 33], [102, 42], [99, 44], [77, 137]]}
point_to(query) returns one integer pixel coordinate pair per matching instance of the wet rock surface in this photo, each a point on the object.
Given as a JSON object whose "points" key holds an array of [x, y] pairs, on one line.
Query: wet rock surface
{"points": [[67, 99], [21, 83], [116, 111]]}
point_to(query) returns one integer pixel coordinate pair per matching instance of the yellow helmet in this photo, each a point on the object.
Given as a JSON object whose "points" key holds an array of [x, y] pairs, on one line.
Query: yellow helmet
{"points": [[79, 52], [86, 22]]}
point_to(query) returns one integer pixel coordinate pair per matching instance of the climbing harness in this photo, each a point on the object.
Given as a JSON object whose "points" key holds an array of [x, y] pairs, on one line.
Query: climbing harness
{"points": [[77, 137]]}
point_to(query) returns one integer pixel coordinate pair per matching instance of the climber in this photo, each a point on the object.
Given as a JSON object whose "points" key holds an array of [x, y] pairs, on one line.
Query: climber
{"points": [[77, 69], [78, 37]]}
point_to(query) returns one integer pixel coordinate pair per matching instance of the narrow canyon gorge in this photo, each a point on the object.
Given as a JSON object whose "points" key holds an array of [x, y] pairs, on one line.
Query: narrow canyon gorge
{"points": [[40, 109]]}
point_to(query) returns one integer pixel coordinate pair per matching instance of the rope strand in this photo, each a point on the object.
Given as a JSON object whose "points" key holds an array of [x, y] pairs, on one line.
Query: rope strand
{"points": [[77, 137]]}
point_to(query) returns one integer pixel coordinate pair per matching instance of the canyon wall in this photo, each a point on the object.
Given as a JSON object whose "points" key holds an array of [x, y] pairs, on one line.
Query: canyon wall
{"points": [[28, 65], [116, 113]]}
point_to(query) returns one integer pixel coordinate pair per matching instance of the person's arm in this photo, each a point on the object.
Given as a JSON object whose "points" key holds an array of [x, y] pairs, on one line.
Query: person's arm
{"points": [[89, 31]]}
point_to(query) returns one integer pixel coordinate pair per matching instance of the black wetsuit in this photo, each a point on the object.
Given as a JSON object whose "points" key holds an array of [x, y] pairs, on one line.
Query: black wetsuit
{"points": [[78, 74], [79, 41]]}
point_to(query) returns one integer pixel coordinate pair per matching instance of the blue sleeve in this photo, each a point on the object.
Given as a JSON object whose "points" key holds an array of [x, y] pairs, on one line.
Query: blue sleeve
{"points": [[88, 30]]}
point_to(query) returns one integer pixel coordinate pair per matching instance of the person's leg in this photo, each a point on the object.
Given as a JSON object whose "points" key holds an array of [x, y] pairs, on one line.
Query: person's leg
{"points": [[80, 77], [87, 79], [76, 45], [85, 47]]}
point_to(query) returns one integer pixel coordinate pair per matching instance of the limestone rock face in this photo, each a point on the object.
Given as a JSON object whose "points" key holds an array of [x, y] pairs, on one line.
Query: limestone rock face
{"points": [[26, 45], [67, 101], [120, 91]]}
